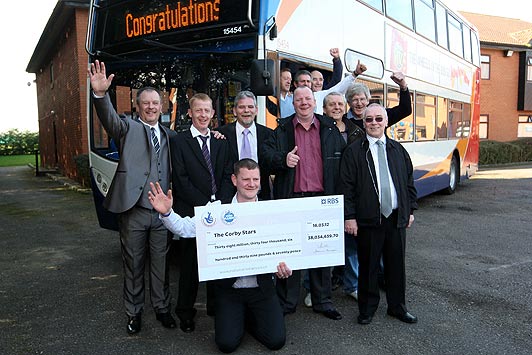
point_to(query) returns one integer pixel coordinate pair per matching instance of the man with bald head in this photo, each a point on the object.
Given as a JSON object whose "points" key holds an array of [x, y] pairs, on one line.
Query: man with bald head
{"points": [[304, 154]]}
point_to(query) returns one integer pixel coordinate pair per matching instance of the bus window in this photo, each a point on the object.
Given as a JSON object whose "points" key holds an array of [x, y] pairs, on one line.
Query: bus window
{"points": [[467, 43], [466, 121], [376, 90], [441, 25], [424, 14], [455, 36], [425, 117], [455, 120], [377, 4], [402, 131], [442, 119], [400, 10], [475, 49]]}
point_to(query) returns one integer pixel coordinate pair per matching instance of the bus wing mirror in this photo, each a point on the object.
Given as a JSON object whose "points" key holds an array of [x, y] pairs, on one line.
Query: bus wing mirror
{"points": [[262, 77], [375, 65]]}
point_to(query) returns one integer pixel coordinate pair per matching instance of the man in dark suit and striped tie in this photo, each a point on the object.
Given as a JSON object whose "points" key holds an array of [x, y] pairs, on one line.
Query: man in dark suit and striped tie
{"points": [[201, 173]]}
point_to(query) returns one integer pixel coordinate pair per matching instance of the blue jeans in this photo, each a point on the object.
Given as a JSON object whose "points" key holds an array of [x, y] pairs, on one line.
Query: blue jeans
{"points": [[351, 264]]}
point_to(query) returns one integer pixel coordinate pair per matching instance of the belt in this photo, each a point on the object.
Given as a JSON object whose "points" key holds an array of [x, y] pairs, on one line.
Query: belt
{"points": [[307, 194]]}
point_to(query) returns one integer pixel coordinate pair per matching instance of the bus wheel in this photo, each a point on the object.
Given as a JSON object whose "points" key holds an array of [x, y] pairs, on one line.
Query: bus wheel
{"points": [[454, 177]]}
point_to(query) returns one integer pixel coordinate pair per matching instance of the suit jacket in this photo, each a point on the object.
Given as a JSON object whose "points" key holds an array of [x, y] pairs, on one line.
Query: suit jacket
{"points": [[134, 145], [263, 133], [191, 179]]}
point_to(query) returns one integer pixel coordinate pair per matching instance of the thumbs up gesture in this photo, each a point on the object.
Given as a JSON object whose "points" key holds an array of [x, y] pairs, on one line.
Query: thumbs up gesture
{"points": [[292, 158]]}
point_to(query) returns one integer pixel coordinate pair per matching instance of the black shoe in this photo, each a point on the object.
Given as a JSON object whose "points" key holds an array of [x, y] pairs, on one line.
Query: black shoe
{"points": [[133, 324], [187, 325], [166, 320], [403, 317], [331, 314], [364, 319], [288, 311]]}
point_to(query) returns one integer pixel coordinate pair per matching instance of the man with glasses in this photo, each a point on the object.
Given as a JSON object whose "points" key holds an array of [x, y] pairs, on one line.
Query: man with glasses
{"points": [[358, 97], [376, 178]]}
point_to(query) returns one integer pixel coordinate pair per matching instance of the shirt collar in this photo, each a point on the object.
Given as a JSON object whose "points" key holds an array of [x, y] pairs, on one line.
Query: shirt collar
{"points": [[373, 140], [252, 129], [156, 126], [196, 133], [234, 200]]}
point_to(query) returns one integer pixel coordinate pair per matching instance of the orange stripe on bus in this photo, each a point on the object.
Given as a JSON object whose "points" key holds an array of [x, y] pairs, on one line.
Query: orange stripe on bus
{"points": [[285, 12]]}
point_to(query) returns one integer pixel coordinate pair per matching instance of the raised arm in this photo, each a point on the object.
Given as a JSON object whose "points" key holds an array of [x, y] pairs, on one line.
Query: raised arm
{"points": [[100, 83]]}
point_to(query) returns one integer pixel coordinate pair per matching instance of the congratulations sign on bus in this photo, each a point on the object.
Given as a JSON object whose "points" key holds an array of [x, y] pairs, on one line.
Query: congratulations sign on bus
{"points": [[175, 15]]}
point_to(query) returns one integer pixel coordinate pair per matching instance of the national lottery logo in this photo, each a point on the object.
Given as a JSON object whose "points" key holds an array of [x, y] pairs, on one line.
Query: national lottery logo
{"points": [[228, 217], [208, 219]]}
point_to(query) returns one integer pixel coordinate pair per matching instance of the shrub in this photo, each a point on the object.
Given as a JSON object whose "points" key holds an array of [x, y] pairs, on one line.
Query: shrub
{"points": [[492, 152], [15, 142]]}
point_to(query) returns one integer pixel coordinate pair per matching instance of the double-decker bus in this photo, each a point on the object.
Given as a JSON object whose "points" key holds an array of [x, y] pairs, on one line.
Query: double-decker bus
{"points": [[220, 47]]}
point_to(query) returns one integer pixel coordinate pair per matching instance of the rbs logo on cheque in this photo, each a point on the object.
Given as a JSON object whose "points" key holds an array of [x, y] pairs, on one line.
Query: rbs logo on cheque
{"points": [[329, 201]]}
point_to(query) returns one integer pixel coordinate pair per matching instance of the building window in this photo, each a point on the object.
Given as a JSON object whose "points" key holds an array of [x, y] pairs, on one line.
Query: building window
{"points": [[483, 127], [529, 69], [485, 67], [524, 127]]}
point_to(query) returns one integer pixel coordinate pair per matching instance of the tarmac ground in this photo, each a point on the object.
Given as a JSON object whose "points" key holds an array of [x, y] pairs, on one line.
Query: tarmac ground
{"points": [[469, 279]]}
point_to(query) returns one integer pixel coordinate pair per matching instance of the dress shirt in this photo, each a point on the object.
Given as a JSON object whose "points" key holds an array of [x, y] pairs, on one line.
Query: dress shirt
{"points": [[252, 137], [309, 169], [374, 154], [196, 134], [156, 128], [245, 281]]}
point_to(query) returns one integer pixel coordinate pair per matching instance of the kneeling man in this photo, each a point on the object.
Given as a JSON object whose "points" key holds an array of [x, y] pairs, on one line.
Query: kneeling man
{"points": [[242, 302]]}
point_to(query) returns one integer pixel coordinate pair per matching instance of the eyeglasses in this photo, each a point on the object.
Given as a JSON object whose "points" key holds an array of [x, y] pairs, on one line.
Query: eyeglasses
{"points": [[370, 119]]}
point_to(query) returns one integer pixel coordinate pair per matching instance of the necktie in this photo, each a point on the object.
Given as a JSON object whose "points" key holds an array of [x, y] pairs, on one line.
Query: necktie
{"points": [[155, 141], [207, 156], [245, 150], [386, 195]]}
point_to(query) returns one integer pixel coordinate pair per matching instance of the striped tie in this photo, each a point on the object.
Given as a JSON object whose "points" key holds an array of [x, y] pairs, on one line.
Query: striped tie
{"points": [[207, 156], [155, 141], [386, 193]]}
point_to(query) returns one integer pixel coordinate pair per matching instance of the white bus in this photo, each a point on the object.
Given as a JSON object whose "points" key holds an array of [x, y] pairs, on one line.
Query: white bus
{"points": [[221, 47]]}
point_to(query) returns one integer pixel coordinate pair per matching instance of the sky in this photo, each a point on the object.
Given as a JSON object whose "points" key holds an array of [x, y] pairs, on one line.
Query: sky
{"points": [[19, 38]]}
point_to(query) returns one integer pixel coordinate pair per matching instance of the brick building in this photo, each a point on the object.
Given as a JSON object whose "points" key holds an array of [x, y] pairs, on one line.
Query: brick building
{"points": [[506, 87], [60, 64]]}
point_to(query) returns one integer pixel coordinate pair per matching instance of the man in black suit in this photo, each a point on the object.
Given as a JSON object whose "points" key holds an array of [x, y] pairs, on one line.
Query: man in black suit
{"points": [[144, 156], [246, 137], [201, 172], [376, 178]]}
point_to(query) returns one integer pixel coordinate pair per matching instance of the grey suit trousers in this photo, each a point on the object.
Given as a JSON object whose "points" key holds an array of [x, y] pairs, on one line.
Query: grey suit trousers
{"points": [[142, 232]]}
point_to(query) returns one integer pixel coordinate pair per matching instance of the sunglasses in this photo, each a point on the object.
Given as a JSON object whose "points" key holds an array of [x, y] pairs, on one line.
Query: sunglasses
{"points": [[370, 119]]}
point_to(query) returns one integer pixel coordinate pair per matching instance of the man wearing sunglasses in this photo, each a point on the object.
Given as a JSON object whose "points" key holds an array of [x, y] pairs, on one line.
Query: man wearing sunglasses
{"points": [[376, 178]]}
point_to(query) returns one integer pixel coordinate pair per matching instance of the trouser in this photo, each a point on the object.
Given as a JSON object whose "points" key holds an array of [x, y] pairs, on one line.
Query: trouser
{"points": [[390, 241], [142, 233]]}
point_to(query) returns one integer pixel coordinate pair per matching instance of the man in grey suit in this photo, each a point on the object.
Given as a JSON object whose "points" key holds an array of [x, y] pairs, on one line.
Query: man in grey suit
{"points": [[144, 157]]}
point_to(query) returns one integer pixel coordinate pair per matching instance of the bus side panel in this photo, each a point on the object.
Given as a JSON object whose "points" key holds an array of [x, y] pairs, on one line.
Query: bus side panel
{"points": [[106, 219], [471, 156]]}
